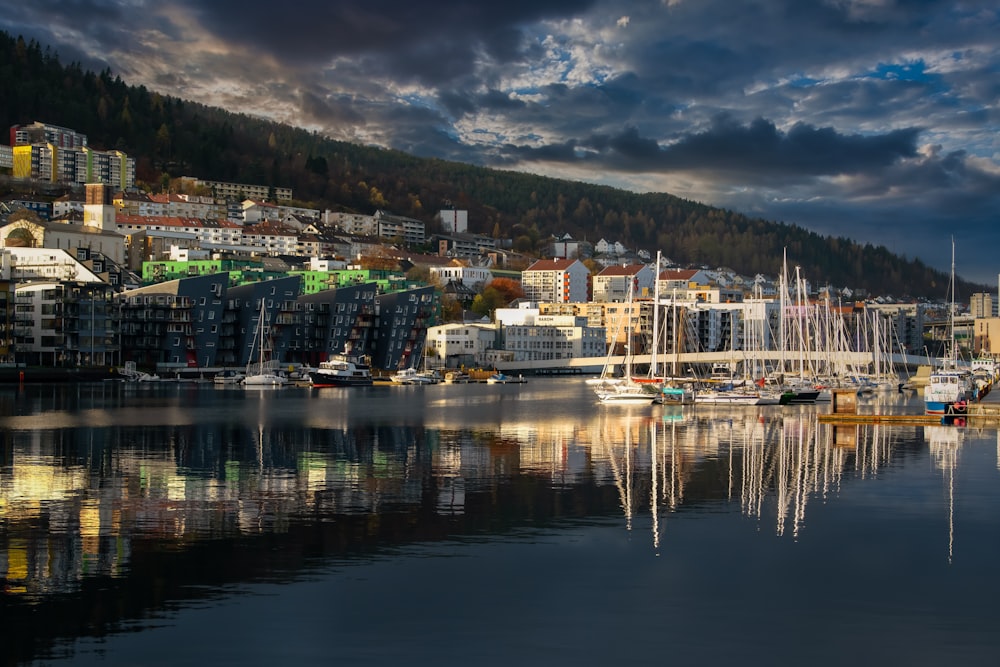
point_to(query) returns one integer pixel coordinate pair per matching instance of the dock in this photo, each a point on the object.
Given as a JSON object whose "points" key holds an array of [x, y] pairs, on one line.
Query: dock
{"points": [[984, 412]]}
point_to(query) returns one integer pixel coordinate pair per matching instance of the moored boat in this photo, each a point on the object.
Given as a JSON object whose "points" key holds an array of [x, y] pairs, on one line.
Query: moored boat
{"points": [[341, 370], [411, 376], [948, 391]]}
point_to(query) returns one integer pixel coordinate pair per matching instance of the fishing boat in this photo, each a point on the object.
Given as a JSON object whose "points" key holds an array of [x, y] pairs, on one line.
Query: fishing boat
{"points": [[262, 373], [341, 370]]}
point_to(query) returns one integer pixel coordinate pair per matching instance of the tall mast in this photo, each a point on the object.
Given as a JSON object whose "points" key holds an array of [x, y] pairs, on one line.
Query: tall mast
{"points": [[653, 370]]}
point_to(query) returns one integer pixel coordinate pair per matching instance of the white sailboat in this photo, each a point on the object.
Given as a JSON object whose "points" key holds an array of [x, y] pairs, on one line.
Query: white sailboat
{"points": [[628, 390], [259, 374]]}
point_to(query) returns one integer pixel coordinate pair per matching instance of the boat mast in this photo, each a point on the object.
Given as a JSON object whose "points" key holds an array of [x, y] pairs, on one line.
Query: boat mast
{"points": [[653, 370], [953, 353]]}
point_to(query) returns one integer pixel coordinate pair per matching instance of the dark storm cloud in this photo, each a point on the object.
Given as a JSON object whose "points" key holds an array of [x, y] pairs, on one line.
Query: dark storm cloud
{"points": [[430, 41], [730, 147]]}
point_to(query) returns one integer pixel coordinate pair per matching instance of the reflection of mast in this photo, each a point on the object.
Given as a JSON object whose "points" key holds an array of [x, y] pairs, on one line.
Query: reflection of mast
{"points": [[944, 444], [654, 499]]}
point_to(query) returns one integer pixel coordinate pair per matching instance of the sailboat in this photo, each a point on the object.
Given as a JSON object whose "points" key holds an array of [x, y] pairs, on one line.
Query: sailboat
{"points": [[258, 374], [949, 388], [627, 390]]}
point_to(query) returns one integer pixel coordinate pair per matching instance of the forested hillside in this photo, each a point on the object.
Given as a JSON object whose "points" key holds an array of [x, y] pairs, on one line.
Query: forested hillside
{"points": [[170, 137]]}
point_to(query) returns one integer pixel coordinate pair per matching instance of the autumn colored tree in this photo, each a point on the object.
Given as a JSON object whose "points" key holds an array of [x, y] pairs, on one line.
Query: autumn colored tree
{"points": [[508, 288]]}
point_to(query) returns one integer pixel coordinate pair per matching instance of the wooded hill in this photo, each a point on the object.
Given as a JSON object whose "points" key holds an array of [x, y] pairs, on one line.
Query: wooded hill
{"points": [[170, 137]]}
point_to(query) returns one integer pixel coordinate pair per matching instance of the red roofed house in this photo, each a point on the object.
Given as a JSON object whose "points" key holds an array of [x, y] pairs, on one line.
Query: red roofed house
{"points": [[556, 281]]}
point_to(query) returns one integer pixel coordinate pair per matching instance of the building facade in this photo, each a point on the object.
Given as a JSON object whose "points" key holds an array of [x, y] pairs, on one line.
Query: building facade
{"points": [[556, 281]]}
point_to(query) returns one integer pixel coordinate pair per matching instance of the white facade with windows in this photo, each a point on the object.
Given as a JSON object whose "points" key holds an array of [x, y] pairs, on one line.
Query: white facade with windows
{"points": [[457, 344], [527, 335]]}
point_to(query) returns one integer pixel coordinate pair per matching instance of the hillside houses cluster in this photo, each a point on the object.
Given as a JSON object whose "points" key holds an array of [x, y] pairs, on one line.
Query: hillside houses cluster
{"points": [[102, 276]]}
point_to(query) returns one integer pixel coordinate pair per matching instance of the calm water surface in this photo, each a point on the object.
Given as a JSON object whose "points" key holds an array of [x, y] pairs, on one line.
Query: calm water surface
{"points": [[183, 524]]}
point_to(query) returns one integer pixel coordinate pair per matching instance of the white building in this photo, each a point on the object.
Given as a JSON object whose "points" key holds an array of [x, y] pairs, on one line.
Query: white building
{"points": [[470, 276], [556, 281], [527, 335], [456, 344], [352, 223]]}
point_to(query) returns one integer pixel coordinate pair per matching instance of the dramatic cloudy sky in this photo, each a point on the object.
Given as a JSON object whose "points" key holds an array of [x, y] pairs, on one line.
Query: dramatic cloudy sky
{"points": [[872, 119]]}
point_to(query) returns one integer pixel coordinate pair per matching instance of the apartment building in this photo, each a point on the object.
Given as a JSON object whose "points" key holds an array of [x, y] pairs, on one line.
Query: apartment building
{"points": [[556, 281]]}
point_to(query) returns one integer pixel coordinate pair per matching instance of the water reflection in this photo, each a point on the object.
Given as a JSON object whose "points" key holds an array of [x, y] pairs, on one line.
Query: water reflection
{"points": [[196, 487]]}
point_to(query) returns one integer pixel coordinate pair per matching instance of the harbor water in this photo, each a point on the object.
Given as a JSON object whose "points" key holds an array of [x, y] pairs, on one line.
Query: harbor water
{"points": [[190, 524]]}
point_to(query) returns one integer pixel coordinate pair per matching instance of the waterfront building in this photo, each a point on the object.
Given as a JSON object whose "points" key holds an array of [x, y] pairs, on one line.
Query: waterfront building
{"points": [[65, 323], [7, 298], [460, 344], [174, 323], [907, 322], [401, 325], [283, 334], [556, 281], [338, 321], [524, 334]]}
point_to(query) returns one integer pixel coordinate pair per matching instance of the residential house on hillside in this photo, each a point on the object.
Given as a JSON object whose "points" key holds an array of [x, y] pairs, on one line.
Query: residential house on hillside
{"points": [[565, 247], [462, 245], [678, 280], [69, 203], [613, 282], [391, 226], [256, 212], [474, 277]]}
